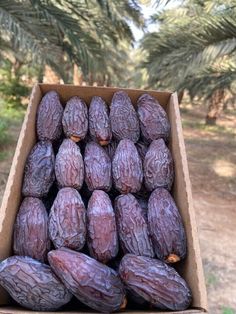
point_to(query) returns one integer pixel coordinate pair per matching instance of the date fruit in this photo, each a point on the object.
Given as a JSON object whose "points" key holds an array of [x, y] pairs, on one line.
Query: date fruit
{"points": [[39, 170], [155, 281], [31, 230], [101, 226], [132, 227], [67, 220], [158, 166], [127, 169], [97, 168], [93, 283], [124, 119], [153, 119], [75, 119], [99, 123], [32, 284], [69, 165], [49, 117], [166, 227]]}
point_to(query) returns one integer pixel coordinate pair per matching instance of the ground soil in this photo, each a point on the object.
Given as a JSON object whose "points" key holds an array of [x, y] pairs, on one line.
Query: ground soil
{"points": [[211, 155]]}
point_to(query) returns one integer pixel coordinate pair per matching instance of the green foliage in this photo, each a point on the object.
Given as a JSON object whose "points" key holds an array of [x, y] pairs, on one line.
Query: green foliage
{"points": [[3, 132], [11, 88], [228, 310], [79, 31], [195, 44]]}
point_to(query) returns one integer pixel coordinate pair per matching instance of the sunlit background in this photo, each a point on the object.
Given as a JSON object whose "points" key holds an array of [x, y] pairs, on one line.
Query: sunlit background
{"points": [[188, 46]]}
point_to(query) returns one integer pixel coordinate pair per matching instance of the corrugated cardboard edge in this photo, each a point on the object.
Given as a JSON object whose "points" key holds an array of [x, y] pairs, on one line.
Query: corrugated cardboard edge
{"points": [[4, 218], [10, 310], [194, 234]]}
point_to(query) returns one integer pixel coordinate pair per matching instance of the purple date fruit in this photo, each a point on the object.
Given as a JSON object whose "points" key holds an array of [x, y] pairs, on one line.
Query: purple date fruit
{"points": [[166, 227], [49, 117], [124, 119], [32, 284], [153, 119], [99, 123], [93, 283], [132, 227], [158, 166], [75, 119], [97, 168], [101, 226], [127, 169], [69, 165], [39, 170], [31, 230], [67, 220], [155, 281]]}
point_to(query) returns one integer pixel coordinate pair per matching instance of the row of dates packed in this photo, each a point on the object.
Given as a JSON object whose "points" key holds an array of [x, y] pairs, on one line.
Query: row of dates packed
{"points": [[89, 215]]}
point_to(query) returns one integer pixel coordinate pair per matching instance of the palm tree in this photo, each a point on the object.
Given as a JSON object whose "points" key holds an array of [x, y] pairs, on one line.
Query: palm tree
{"points": [[74, 31], [194, 49]]}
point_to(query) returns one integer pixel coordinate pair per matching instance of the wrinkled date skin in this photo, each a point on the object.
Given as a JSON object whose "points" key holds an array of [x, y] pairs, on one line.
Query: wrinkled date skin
{"points": [[69, 165], [123, 117], [31, 230], [127, 169], [155, 281], [153, 119], [33, 284], [75, 119], [132, 227], [99, 123], [101, 226], [67, 220], [166, 227], [39, 170], [97, 168], [158, 166], [93, 283], [49, 117]]}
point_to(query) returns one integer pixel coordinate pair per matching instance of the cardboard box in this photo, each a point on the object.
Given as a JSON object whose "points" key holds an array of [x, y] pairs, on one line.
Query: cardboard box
{"points": [[191, 268]]}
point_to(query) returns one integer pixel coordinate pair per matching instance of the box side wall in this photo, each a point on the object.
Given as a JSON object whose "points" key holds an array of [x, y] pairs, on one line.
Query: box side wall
{"points": [[12, 195], [67, 91], [18, 310], [191, 268]]}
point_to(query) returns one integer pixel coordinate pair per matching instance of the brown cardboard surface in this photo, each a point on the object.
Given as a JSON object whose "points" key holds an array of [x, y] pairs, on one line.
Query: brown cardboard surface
{"points": [[191, 268], [9, 310]]}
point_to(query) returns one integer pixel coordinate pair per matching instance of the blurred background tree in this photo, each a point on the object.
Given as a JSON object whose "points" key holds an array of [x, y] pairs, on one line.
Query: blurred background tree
{"points": [[92, 42], [194, 49], [77, 39]]}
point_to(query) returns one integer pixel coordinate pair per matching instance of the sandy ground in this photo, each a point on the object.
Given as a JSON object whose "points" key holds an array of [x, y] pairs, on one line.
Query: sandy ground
{"points": [[212, 163]]}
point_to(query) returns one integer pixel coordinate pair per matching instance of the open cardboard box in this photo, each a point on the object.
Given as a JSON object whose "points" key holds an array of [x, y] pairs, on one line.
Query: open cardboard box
{"points": [[191, 268]]}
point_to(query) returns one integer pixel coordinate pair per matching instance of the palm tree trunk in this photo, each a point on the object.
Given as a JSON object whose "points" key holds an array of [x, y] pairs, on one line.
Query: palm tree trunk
{"points": [[77, 76], [50, 76], [180, 96], [215, 107]]}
